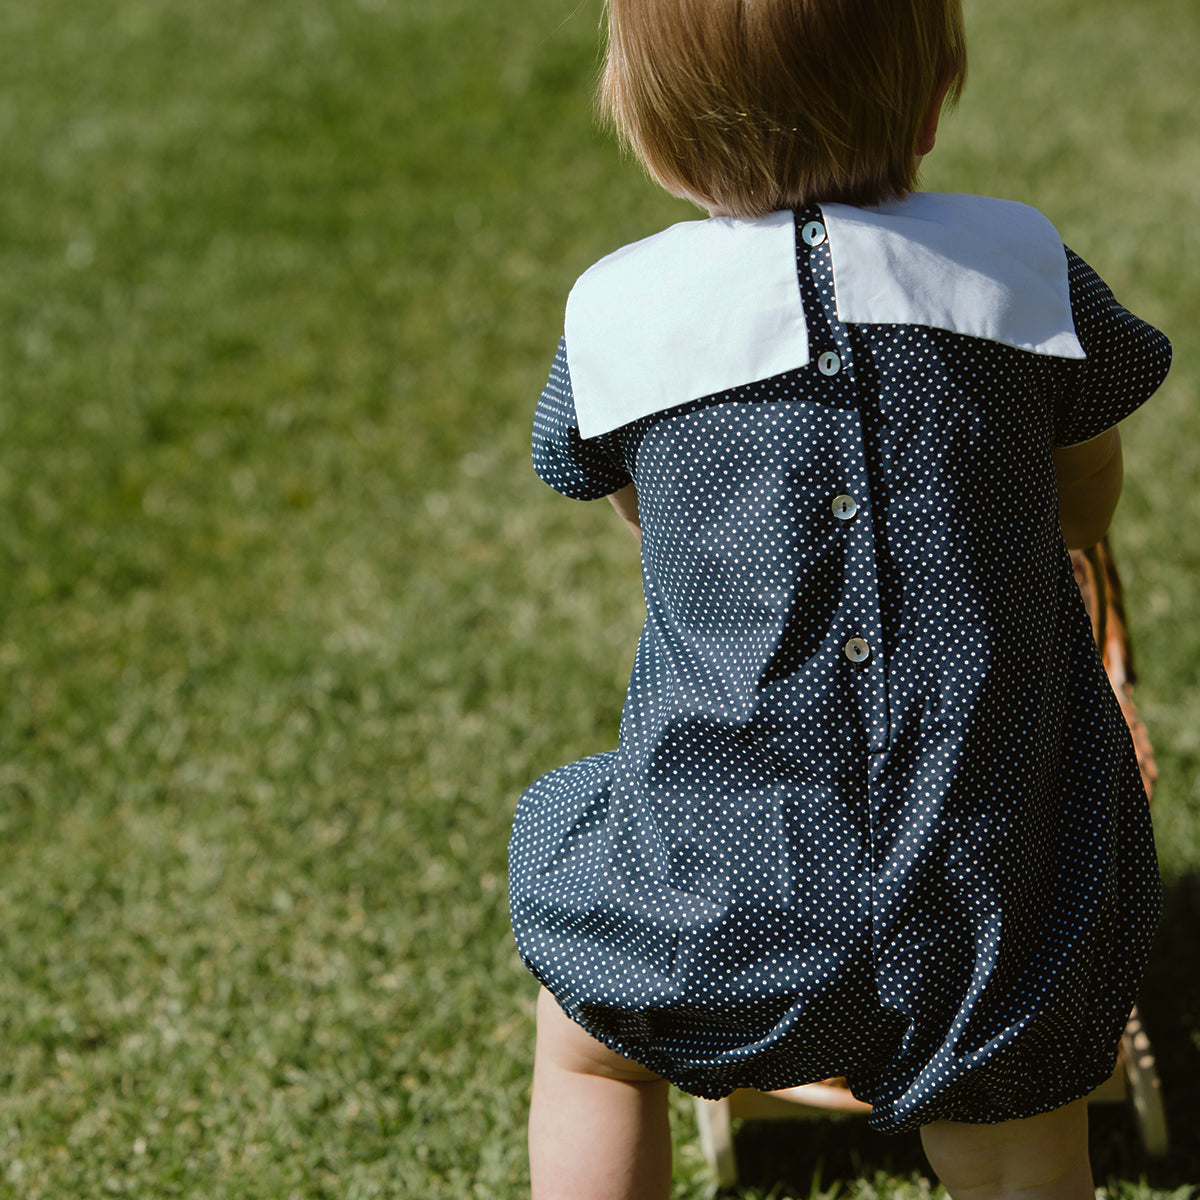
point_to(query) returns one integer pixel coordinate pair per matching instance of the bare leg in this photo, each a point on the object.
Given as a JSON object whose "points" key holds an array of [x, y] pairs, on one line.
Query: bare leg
{"points": [[1039, 1158], [598, 1123]]}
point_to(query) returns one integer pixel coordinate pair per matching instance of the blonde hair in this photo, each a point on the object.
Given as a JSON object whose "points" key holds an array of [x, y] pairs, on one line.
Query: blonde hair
{"points": [[749, 106]]}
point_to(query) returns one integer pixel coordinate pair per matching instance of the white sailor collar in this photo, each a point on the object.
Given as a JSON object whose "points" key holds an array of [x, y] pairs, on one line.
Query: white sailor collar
{"points": [[710, 305]]}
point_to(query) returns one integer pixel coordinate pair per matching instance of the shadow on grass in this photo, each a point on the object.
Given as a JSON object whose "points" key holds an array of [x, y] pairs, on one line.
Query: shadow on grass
{"points": [[807, 1158], [1170, 1007]]}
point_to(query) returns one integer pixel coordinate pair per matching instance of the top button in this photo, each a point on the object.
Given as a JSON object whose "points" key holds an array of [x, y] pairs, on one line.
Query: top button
{"points": [[829, 363], [813, 233]]}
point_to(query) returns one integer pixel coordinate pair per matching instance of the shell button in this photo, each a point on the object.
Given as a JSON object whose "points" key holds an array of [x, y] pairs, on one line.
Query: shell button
{"points": [[829, 363], [857, 651], [844, 507], [813, 233]]}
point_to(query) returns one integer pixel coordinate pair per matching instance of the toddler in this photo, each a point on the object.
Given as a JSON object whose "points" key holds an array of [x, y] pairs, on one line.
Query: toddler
{"points": [[874, 811]]}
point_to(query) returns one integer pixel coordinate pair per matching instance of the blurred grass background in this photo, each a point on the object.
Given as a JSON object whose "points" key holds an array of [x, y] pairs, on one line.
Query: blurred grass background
{"points": [[286, 622]]}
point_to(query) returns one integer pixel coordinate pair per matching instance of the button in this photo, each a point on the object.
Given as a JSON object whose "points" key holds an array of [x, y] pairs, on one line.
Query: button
{"points": [[813, 233], [844, 507], [857, 651], [829, 363]]}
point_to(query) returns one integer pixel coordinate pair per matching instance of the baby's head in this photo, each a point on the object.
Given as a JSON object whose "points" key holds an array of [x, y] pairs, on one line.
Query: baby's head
{"points": [[749, 106]]}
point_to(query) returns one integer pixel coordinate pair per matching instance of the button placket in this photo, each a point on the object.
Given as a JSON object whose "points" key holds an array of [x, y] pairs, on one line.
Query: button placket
{"points": [[860, 645]]}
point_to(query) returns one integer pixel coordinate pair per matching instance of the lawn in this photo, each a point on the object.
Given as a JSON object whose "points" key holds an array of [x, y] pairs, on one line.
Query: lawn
{"points": [[286, 622]]}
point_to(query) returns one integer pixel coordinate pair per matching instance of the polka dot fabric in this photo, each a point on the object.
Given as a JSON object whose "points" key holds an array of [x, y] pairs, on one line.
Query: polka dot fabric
{"points": [[874, 811]]}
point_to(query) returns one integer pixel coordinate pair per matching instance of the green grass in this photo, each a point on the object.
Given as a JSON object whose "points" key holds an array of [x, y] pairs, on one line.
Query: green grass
{"points": [[286, 623]]}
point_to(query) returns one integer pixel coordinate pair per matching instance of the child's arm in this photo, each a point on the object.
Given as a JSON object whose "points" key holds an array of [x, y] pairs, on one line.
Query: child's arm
{"points": [[1089, 478], [625, 502]]}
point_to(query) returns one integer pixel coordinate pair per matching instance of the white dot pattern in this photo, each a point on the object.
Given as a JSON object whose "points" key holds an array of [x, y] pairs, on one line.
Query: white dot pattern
{"points": [[930, 870]]}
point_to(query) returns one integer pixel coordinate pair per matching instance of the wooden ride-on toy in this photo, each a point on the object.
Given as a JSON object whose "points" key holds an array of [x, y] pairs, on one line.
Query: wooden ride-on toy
{"points": [[1135, 1078]]}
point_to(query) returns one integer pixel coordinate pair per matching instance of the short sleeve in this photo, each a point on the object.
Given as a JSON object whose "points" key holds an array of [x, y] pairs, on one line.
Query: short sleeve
{"points": [[583, 470], [1127, 360]]}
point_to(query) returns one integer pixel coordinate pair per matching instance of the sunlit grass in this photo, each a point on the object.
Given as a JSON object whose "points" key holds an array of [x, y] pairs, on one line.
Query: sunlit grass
{"points": [[286, 623]]}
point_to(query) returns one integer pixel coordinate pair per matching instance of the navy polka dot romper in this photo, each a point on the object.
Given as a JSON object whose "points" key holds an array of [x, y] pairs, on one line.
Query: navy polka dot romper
{"points": [[874, 810]]}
